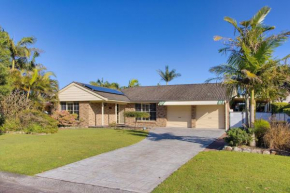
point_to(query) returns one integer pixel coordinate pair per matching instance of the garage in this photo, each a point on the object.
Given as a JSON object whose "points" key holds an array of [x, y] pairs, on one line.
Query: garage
{"points": [[179, 116], [210, 116]]}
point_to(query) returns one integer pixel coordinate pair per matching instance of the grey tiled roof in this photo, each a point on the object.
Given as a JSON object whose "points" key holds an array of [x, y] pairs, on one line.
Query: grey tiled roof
{"points": [[182, 92]]}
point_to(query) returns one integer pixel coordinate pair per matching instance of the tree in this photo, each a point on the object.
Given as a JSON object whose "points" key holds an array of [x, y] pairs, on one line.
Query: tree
{"points": [[133, 83], [37, 84], [137, 115], [106, 84], [250, 63], [4, 81], [4, 51], [19, 52], [167, 75]]}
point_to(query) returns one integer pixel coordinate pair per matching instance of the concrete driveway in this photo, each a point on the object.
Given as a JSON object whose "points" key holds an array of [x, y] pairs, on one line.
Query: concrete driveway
{"points": [[142, 166]]}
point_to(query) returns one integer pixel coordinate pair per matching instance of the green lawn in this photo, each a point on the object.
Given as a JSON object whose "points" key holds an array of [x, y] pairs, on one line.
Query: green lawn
{"points": [[230, 172], [32, 154]]}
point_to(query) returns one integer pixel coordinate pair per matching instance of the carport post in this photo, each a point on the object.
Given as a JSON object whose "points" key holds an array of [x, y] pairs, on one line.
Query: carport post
{"points": [[116, 112], [226, 115], [102, 113]]}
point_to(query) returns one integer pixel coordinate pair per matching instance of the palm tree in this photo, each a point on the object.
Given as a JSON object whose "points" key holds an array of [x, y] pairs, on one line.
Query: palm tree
{"points": [[106, 84], [37, 84], [133, 83], [250, 61], [167, 75], [18, 51]]}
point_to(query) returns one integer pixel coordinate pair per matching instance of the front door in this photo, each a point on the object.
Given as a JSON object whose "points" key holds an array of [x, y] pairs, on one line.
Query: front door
{"points": [[120, 114]]}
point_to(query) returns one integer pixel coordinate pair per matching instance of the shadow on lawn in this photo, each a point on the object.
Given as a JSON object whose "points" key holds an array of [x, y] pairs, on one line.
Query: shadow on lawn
{"points": [[135, 132]]}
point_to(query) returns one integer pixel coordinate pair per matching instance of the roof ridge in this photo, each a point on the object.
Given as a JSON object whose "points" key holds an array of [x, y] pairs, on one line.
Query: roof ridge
{"points": [[173, 85]]}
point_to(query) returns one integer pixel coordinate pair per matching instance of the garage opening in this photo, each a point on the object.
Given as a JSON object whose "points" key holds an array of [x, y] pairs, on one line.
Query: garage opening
{"points": [[210, 117], [179, 116]]}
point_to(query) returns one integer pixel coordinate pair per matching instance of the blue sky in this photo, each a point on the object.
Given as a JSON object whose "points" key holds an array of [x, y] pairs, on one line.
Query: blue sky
{"points": [[124, 39]]}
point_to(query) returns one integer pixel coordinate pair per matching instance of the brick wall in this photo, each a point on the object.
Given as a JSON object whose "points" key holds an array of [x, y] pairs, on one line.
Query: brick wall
{"points": [[193, 116], [161, 117], [84, 113]]}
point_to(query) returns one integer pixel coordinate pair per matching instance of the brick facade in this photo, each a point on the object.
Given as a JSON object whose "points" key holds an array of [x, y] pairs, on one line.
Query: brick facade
{"points": [[161, 117], [193, 116], [91, 115]]}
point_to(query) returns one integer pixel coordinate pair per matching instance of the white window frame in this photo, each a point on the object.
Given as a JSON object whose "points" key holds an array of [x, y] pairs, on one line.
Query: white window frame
{"points": [[142, 119], [73, 105]]}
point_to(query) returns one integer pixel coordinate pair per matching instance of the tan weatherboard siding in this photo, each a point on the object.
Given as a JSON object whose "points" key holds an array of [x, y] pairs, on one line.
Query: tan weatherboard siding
{"points": [[76, 93]]}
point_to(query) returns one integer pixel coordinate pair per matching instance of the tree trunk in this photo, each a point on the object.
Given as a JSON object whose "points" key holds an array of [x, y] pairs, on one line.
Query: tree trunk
{"points": [[247, 118], [28, 93], [253, 108], [13, 64]]}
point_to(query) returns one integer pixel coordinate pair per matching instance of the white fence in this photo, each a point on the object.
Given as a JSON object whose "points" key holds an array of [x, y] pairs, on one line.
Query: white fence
{"points": [[237, 119]]}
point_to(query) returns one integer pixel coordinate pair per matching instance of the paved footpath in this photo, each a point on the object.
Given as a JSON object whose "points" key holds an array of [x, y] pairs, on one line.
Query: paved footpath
{"points": [[139, 167]]}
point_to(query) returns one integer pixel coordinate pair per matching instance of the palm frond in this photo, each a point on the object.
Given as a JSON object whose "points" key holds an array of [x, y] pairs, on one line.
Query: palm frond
{"points": [[260, 16]]}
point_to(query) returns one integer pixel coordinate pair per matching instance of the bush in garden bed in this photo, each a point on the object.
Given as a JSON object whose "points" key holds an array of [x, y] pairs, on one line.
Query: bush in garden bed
{"points": [[260, 128], [30, 121], [65, 119], [278, 137], [279, 106], [238, 136]]}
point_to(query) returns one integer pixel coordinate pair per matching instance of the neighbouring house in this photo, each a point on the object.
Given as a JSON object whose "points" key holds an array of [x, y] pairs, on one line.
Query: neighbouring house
{"points": [[203, 106]]}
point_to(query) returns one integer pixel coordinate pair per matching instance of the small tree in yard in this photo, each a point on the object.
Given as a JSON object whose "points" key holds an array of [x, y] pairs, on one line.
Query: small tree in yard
{"points": [[137, 115]]}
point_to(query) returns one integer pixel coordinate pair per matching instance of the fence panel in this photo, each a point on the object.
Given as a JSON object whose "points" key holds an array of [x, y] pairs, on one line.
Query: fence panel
{"points": [[237, 119]]}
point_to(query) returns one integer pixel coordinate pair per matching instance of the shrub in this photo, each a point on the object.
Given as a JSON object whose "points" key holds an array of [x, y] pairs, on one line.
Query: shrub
{"points": [[278, 137], [136, 115], [238, 136], [279, 106], [113, 125], [34, 121], [11, 124], [66, 119], [287, 111], [31, 121], [260, 128]]}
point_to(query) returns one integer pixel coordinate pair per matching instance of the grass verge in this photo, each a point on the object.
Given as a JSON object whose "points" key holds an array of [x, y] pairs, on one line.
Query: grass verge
{"points": [[221, 171], [32, 154]]}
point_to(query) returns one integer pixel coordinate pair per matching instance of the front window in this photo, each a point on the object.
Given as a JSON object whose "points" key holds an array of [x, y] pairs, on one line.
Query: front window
{"points": [[148, 108], [71, 107]]}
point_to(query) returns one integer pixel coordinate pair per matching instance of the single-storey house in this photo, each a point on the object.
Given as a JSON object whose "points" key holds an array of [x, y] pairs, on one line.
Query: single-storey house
{"points": [[202, 106]]}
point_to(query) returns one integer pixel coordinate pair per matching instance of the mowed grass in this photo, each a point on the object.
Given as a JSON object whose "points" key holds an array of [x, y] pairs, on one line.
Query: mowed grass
{"points": [[230, 172], [32, 154]]}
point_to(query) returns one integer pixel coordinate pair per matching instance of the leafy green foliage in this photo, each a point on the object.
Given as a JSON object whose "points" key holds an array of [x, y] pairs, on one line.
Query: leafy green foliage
{"points": [[64, 118], [278, 107], [238, 136], [136, 114], [30, 121], [260, 128], [167, 75], [251, 68], [287, 111], [4, 81], [106, 84]]}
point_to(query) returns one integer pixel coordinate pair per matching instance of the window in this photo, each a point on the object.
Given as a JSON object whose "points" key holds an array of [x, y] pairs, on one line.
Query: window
{"points": [[71, 107], [148, 108]]}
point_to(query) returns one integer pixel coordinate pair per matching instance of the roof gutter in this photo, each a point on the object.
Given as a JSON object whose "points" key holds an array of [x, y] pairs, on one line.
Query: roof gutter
{"points": [[169, 103]]}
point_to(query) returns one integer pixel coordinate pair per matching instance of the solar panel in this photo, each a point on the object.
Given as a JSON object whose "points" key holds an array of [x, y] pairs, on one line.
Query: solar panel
{"points": [[103, 89]]}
